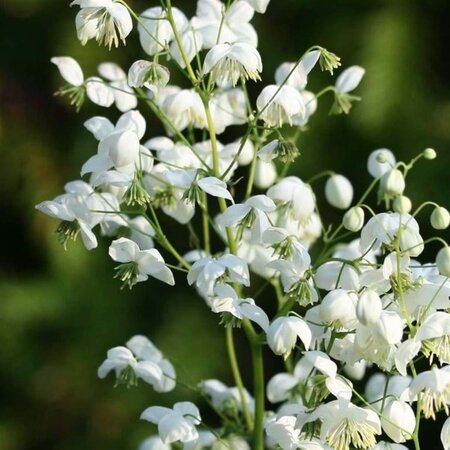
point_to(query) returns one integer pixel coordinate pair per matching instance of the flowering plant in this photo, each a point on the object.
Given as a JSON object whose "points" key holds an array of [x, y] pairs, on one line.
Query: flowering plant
{"points": [[346, 297]]}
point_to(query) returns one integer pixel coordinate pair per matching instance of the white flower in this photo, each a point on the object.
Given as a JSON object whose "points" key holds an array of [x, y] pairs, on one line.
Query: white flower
{"points": [[252, 213], [155, 30], [343, 423], [177, 424], [96, 89], [139, 359], [148, 74], [80, 210], [226, 300], [338, 308], [191, 42], [433, 386], [434, 333], [339, 191], [119, 149], [137, 265], [296, 75], [205, 272], [184, 107], [349, 79], [445, 434], [277, 105], [377, 168], [369, 307], [292, 270], [218, 25], [124, 96], [283, 432], [297, 195], [283, 333], [229, 62], [384, 228], [398, 420], [106, 21], [223, 397]]}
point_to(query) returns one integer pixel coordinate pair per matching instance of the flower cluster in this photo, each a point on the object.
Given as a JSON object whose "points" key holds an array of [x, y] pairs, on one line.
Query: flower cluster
{"points": [[347, 297]]}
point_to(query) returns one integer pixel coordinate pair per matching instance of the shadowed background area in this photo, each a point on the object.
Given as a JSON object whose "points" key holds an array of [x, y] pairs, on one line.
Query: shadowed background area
{"points": [[60, 311]]}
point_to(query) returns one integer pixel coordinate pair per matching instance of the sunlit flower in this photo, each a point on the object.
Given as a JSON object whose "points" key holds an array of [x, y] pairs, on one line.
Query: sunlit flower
{"points": [[106, 21]]}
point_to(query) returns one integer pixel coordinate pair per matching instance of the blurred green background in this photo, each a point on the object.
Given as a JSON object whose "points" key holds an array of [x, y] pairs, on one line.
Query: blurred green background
{"points": [[60, 311]]}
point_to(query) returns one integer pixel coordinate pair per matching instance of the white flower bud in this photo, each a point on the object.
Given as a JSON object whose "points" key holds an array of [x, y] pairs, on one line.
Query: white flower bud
{"points": [[443, 261], [380, 161], [393, 182], [398, 421], [354, 219], [369, 307], [338, 308], [402, 204], [440, 218], [265, 174], [339, 191], [283, 333], [429, 153]]}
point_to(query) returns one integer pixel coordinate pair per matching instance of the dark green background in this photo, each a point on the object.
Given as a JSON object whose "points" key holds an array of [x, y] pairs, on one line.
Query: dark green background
{"points": [[60, 311]]}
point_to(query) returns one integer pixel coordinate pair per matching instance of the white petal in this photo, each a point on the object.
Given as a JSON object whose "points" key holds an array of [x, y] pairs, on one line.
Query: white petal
{"points": [[123, 250], [215, 187], [255, 314], [349, 79], [99, 93], [69, 69], [100, 127]]}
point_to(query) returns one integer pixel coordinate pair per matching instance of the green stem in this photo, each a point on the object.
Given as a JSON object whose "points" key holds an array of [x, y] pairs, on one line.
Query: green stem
{"points": [[258, 381], [237, 377]]}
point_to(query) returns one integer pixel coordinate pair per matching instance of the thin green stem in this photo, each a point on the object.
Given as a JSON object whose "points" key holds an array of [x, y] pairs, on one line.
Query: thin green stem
{"points": [[237, 376]]}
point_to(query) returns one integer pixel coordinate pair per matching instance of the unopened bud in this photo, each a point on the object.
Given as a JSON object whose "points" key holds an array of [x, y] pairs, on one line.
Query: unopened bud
{"points": [[369, 307], [402, 204], [429, 153], [354, 219], [339, 191], [393, 182], [440, 218], [443, 261]]}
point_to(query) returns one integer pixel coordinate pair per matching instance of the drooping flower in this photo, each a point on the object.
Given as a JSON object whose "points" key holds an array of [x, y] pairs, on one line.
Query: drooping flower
{"points": [[252, 214], [206, 271], [177, 424], [278, 105], [433, 386], [140, 359], [230, 62], [106, 21], [95, 88], [137, 265], [345, 424], [226, 300], [283, 333]]}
